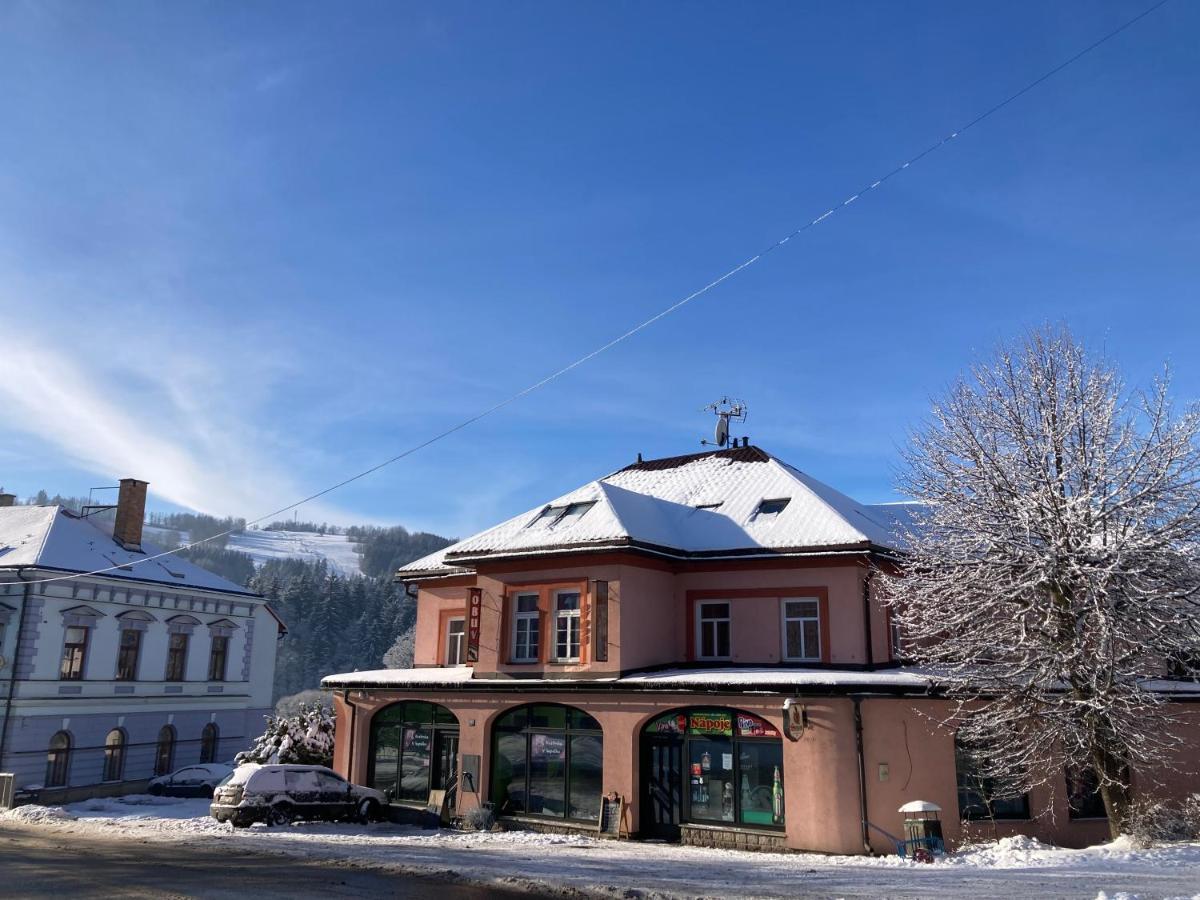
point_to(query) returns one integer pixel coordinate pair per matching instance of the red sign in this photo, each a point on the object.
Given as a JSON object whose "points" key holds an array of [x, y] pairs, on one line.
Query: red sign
{"points": [[474, 614]]}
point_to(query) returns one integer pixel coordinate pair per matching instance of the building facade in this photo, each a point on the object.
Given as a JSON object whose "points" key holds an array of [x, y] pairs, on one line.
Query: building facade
{"points": [[699, 636], [113, 678]]}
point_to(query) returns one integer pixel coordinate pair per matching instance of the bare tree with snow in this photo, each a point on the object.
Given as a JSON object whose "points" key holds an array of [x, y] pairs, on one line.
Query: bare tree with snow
{"points": [[1054, 576]]}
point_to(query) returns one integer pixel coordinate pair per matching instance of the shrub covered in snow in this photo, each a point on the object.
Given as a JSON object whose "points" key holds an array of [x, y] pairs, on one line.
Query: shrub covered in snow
{"points": [[1151, 820], [481, 818], [305, 738]]}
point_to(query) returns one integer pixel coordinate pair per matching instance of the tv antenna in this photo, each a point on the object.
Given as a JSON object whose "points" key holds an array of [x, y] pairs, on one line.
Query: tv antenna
{"points": [[727, 410]]}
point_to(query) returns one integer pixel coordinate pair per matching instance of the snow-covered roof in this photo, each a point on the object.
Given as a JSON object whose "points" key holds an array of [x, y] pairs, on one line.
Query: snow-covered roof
{"points": [[672, 679], [705, 504], [53, 538]]}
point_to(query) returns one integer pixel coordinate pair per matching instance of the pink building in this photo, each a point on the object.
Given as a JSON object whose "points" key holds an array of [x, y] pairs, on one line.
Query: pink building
{"points": [[698, 635]]}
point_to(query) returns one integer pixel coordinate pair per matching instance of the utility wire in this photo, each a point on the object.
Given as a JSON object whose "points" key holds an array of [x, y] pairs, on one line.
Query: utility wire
{"points": [[657, 316]]}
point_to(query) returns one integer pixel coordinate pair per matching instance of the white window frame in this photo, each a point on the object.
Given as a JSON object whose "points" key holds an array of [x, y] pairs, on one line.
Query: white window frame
{"points": [[700, 622], [574, 625], [784, 618], [518, 616], [461, 641], [895, 637]]}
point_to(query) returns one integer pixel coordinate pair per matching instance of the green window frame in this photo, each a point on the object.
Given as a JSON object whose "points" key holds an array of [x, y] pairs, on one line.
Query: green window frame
{"points": [[547, 762]]}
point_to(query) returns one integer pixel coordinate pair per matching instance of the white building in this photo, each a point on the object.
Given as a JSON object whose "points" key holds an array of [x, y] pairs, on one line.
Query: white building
{"points": [[109, 679]]}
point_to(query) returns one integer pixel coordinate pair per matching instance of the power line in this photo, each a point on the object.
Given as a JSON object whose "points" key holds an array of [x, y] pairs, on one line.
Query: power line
{"points": [[679, 304]]}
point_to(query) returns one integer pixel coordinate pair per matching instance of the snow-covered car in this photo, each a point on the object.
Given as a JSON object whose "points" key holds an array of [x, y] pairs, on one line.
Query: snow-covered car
{"points": [[278, 794], [190, 781]]}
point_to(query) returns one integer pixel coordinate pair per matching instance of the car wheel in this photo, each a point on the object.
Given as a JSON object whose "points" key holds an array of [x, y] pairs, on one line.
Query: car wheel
{"points": [[155, 790], [281, 814], [207, 791], [368, 811]]}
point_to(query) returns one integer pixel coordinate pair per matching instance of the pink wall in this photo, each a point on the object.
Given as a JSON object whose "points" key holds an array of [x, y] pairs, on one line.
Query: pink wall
{"points": [[756, 630], [821, 773], [651, 614]]}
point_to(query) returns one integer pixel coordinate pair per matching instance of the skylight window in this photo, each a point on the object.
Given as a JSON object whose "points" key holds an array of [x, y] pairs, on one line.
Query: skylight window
{"points": [[546, 516], [561, 515], [771, 507], [574, 512], [716, 505]]}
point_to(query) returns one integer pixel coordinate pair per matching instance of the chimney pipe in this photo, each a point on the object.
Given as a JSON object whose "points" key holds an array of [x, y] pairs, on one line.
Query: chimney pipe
{"points": [[7, 499], [131, 512]]}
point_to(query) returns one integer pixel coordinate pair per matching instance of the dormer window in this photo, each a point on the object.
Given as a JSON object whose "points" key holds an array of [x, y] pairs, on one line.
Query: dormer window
{"points": [[769, 508]]}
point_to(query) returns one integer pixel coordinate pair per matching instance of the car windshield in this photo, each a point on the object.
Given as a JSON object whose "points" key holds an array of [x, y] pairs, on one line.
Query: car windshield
{"points": [[224, 781]]}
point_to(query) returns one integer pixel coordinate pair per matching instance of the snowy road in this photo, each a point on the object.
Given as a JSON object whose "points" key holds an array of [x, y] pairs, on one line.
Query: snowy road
{"points": [[580, 865], [46, 863]]}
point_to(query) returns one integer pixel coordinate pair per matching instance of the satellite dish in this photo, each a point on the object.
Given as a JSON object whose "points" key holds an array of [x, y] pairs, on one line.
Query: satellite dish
{"points": [[721, 434]]}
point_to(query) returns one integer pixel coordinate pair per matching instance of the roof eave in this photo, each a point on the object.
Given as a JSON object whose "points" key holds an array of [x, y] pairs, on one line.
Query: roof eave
{"points": [[467, 563]]}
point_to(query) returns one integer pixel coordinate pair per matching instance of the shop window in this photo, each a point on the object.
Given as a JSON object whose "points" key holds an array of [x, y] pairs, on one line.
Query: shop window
{"points": [[209, 739], [1083, 794], [712, 629], [75, 643], [58, 760], [413, 750], [525, 628], [114, 755], [981, 797], [177, 647], [164, 750], [547, 760], [455, 641], [128, 652], [801, 629], [217, 656], [732, 768], [566, 626]]}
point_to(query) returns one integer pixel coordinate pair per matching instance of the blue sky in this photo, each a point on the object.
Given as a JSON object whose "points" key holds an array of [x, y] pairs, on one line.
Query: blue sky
{"points": [[248, 249]]}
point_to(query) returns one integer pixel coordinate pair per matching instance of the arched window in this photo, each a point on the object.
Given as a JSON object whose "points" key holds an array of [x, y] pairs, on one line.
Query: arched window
{"points": [[208, 743], [58, 760], [547, 760], [414, 749], [114, 755], [711, 766], [164, 754]]}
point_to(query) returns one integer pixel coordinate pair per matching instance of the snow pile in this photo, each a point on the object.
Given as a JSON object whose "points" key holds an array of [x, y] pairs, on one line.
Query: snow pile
{"points": [[38, 815], [1017, 851]]}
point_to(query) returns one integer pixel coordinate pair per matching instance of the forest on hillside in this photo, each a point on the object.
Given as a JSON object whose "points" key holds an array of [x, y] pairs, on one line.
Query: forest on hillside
{"points": [[335, 622]]}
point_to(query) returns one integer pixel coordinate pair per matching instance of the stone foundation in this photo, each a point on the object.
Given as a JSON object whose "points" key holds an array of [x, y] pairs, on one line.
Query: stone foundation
{"points": [[732, 838], [513, 823]]}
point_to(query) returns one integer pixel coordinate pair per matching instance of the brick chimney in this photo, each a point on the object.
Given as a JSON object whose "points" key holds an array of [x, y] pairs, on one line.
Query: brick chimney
{"points": [[7, 499], [131, 512]]}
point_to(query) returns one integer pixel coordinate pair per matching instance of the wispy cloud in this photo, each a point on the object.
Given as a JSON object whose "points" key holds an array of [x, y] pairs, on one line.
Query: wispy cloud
{"points": [[119, 419]]}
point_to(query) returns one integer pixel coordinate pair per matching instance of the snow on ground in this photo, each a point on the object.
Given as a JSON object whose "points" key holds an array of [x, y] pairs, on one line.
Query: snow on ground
{"points": [[337, 549], [580, 864]]}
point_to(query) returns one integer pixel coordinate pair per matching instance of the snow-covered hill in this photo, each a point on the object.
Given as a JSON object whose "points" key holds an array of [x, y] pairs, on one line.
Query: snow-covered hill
{"points": [[263, 545]]}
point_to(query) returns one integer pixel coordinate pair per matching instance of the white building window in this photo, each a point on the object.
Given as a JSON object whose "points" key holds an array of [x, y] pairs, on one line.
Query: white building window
{"points": [[566, 626], [712, 629], [456, 633], [525, 628], [801, 629]]}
